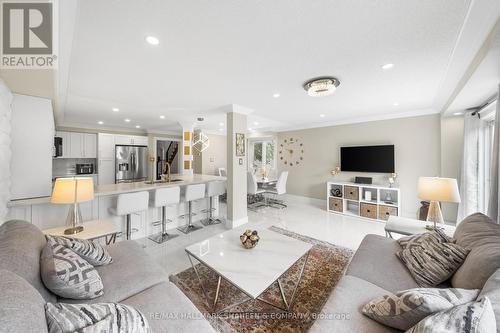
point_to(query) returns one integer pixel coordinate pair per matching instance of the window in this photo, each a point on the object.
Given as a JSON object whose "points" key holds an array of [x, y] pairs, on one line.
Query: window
{"points": [[262, 154]]}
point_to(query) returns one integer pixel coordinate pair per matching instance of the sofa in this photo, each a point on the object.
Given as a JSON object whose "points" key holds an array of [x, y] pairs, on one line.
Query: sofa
{"points": [[375, 270], [133, 279]]}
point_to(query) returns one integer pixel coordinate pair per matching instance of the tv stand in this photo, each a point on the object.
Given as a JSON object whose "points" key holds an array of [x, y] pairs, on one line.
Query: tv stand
{"points": [[350, 199]]}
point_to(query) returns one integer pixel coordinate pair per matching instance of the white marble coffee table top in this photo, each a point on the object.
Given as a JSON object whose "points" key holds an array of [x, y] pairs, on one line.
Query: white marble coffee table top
{"points": [[251, 270]]}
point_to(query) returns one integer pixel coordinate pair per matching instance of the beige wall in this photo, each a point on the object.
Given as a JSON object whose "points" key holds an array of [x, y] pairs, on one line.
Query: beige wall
{"points": [[417, 149], [452, 140], [215, 156]]}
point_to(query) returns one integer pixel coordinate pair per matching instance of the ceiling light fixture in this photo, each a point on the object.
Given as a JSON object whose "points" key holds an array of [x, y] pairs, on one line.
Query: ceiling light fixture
{"points": [[115, 109], [322, 115], [250, 129], [457, 113], [387, 66], [137, 126], [152, 40], [162, 117], [221, 124], [395, 103], [322, 86], [127, 120], [100, 122], [256, 123], [276, 95]]}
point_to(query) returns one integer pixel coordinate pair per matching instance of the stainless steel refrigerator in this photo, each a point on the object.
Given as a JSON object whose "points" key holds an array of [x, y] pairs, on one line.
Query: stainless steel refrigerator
{"points": [[131, 163]]}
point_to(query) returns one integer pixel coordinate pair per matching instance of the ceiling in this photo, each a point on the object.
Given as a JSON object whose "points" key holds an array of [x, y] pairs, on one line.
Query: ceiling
{"points": [[215, 53]]}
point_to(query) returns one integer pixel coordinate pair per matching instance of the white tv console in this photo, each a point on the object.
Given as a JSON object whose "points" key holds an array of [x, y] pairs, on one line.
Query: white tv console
{"points": [[350, 199]]}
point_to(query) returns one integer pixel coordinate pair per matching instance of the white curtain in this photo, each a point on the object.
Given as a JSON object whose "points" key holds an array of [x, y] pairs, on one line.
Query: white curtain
{"points": [[471, 174], [5, 152], [493, 206]]}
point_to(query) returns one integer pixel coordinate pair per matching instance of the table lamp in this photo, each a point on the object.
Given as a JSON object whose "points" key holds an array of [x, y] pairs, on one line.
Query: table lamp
{"points": [[73, 191], [435, 189]]}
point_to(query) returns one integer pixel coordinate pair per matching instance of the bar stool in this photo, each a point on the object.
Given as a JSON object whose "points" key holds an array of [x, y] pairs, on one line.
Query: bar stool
{"points": [[214, 189], [130, 203], [193, 192], [164, 197]]}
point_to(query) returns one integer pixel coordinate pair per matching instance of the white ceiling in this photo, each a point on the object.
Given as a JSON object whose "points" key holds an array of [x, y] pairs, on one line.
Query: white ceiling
{"points": [[215, 53]]}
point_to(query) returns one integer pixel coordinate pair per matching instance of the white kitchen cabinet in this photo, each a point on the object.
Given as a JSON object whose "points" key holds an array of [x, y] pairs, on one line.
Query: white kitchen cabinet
{"points": [[76, 145], [89, 145], [106, 171], [106, 144], [131, 140], [140, 140]]}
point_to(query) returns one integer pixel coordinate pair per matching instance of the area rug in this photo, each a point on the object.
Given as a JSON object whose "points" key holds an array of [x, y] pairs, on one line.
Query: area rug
{"points": [[324, 268]]}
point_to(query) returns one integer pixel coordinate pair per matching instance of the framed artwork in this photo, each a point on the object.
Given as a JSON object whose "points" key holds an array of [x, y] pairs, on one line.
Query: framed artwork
{"points": [[240, 144]]}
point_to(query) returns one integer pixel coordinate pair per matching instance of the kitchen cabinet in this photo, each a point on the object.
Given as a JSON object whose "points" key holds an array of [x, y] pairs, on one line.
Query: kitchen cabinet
{"points": [[78, 145], [131, 140], [106, 143]]}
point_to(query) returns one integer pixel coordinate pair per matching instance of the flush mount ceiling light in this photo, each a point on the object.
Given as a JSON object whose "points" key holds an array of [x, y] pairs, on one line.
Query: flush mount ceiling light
{"points": [[152, 40], [137, 126], [387, 66], [276, 95], [162, 117], [115, 109], [322, 86], [127, 120], [100, 122]]}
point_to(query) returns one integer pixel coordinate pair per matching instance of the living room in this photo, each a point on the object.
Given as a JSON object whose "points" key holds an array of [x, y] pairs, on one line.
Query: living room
{"points": [[331, 167]]}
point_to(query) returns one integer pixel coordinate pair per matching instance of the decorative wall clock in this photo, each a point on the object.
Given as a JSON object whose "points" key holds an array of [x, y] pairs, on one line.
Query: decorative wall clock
{"points": [[291, 152]]}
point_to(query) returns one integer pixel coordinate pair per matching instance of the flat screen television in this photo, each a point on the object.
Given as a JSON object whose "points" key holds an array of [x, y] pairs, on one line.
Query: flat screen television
{"points": [[379, 159]]}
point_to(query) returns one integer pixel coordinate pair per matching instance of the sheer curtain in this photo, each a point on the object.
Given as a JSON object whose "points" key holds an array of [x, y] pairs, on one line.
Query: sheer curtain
{"points": [[493, 207]]}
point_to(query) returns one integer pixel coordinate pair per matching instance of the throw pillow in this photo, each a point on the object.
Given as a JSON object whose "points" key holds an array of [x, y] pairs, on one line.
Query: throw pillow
{"points": [[406, 308], [94, 253], [474, 317], [95, 318], [434, 235], [432, 262], [68, 275]]}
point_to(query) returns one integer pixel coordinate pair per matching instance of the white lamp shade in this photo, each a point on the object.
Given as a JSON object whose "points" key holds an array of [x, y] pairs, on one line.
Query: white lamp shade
{"points": [[438, 189], [71, 190]]}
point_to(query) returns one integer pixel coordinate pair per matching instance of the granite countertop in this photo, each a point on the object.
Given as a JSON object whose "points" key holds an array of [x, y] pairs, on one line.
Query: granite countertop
{"points": [[115, 189]]}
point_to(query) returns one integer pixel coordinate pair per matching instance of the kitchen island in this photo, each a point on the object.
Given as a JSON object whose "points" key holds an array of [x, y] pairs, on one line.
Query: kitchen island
{"points": [[43, 214]]}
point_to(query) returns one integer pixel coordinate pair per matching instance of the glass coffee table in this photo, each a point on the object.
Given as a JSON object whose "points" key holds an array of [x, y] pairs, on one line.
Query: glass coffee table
{"points": [[270, 259]]}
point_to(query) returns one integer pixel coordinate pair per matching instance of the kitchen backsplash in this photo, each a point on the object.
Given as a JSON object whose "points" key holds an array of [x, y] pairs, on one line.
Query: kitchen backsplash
{"points": [[67, 166]]}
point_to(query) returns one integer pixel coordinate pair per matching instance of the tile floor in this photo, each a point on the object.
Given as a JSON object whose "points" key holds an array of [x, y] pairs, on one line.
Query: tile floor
{"points": [[302, 216]]}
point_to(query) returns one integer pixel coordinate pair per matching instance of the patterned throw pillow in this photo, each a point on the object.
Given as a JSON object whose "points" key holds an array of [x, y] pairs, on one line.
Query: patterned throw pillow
{"points": [[404, 309], [474, 317], [432, 262], [68, 275], [94, 253], [95, 318], [437, 235]]}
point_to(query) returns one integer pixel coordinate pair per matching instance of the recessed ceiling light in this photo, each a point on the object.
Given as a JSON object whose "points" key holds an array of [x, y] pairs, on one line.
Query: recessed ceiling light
{"points": [[162, 117], [322, 115], [387, 66], [137, 126], [221, 124], [457, 113], [127, 120], [152, 40], [276, 95], [395, 103], [115, 109], [250, 129], [100, 122], [256, 123]]}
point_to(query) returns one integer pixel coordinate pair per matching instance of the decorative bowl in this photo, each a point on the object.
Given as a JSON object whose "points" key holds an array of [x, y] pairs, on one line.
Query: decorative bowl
{"points": [[249, 239]]}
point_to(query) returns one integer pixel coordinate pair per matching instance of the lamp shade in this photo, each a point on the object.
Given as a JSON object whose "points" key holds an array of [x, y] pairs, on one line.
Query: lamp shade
{"points": [[71, 190], [438, 189]]}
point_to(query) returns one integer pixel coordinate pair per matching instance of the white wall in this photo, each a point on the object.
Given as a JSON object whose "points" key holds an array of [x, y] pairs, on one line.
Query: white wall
{"points": [[417, 150], [5, 149], [215, 156]]}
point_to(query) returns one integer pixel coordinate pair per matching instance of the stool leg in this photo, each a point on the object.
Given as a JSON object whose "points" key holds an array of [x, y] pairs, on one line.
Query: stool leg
{"points": [[163, 236], [129, 229], [190, 226], [210, 216]]}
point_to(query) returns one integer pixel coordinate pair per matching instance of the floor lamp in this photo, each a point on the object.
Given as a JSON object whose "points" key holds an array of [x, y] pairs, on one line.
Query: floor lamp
{"points": [[73, 191]]}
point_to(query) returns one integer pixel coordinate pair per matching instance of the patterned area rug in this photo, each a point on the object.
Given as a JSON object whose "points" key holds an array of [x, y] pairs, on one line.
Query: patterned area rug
{"points": [[324, 268]]}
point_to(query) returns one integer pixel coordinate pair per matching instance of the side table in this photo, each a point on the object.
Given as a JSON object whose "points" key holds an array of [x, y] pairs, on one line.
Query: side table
{"points": [[94, 229]]}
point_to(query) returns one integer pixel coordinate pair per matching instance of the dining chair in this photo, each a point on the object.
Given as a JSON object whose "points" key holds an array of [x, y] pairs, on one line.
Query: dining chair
{"points": [[253, 191], [279, 190]]}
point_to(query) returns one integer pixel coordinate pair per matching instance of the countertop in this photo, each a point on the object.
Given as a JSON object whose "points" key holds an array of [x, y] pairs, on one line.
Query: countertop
{"points": [[115, 189]]}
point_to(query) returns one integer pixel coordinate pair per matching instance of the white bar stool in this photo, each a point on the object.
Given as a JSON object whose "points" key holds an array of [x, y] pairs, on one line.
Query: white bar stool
{"points": [[214, 189], [130, 203], [164, 197], [193, 192]]}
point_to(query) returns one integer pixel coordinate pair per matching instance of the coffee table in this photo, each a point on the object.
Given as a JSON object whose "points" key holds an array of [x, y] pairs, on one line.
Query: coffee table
{"points": [[270, 259]]}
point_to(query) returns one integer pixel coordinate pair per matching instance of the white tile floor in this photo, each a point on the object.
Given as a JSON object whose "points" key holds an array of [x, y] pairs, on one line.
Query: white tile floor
{"points": [[302, 216]]}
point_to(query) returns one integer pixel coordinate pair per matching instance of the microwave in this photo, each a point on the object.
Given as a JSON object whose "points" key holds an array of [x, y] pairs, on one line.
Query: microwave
{"points": [[84, 169]]}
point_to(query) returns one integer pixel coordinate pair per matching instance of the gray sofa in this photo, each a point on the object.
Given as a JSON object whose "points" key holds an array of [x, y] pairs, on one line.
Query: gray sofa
{"points": [[133, 278], [375, 270]]}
